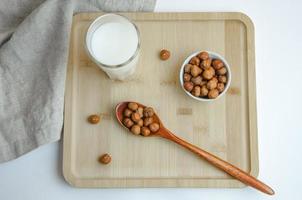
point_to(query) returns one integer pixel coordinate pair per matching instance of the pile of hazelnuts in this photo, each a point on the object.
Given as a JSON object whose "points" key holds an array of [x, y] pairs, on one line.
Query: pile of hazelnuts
{"points": [[205, 77], [139, 120]]}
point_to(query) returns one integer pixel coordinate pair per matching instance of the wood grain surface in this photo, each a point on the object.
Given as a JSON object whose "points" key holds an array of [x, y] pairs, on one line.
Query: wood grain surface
{"points": [[227, 127]]}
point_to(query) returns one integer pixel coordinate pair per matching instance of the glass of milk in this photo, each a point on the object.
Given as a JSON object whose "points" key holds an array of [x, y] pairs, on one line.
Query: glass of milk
{"points": [[113, 43]]}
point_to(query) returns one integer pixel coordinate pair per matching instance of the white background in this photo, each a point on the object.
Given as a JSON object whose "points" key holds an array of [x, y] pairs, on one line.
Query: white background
{"points": [[278, 32]]}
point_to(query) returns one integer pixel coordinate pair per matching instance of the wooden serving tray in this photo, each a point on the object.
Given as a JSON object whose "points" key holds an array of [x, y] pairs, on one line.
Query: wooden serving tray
{"points": [[226, 127]]}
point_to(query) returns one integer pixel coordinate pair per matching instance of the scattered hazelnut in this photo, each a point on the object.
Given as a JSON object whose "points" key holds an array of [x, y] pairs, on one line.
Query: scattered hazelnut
{"points": [[105, 159], [128, 122], [222, 79], [154, 127], [127, 112], [195, 70], [195, 61], [213, 94], [206, 63], [140, 111], [196, 91], [203, 55], [204, 91], [188, 68], [148, 112], [207, 74], [145, 131], [94, 119], [187, 77], [217, 64], [220, 87], [211, 84], [136, 129], [222, 71], [164, 54], [132, 106], [197, 80], [135, 117], [148, 121], [188, 86], [140, 122]]}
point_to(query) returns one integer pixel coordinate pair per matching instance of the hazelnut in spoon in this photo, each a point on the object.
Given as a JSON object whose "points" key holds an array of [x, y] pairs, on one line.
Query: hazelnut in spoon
{"points": [[127, 110]]}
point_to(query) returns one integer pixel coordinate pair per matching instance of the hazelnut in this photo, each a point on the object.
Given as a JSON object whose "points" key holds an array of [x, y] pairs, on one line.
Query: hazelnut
{"points": [[196, 91], [222, 79], [94, 119], [140, 111], [213, 94], [188, 86], [128, 122], [215, 79], [164, 54], [187, 77], [105, 159], [211, 84], [135, 117], [217, 64], [132, 106], [203, 55], [136, 129], [220, 87], [204, 91], [148, 121], [222, 71], [127, 112], [188, 68], [212, 70], [195, 61], [206, 63], [203, 83], [145, 131], [140, 122], [195, 70], [154, 127], [197, 80], [207, 74], [148, 112]]}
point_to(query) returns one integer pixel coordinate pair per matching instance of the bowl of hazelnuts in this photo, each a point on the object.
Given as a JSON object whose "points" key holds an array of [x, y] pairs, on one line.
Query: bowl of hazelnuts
{"points": [[205, 76]]}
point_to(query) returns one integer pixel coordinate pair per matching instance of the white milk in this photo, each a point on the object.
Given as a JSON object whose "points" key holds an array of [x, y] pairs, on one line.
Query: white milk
{"points": [[112, 41]]}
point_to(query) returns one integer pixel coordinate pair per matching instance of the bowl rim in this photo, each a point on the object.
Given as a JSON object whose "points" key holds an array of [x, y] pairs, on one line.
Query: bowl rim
{"points": [[212, 55]]}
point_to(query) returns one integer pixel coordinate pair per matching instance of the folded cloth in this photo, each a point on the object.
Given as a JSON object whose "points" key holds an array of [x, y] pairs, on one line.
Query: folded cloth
{"points": [[34, 38]]}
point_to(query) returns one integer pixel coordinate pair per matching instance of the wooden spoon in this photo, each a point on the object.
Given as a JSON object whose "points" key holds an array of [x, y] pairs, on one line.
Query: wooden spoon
{"points": [[219, 163]]}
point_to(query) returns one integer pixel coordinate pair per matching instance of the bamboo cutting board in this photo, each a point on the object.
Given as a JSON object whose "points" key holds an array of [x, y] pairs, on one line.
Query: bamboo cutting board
{"points": [[226, 127]]}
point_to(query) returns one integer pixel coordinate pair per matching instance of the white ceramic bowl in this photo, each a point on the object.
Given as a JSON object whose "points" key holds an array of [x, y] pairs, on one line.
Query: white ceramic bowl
{"points": [[213, 56]]}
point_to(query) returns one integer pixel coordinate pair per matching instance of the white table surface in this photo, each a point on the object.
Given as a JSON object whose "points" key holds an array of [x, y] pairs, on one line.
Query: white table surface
{"points": [[278, 32]]}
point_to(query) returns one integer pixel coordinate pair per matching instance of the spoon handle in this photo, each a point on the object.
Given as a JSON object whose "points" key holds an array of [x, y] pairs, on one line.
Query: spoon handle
{"points": [[221, 164]]}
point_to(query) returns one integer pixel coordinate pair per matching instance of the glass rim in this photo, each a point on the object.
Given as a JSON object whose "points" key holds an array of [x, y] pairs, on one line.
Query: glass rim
{"points": [[106, 65]]}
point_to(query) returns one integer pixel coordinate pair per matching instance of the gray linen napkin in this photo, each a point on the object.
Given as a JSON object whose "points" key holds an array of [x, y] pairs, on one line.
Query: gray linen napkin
{"points": [[34, 38]]}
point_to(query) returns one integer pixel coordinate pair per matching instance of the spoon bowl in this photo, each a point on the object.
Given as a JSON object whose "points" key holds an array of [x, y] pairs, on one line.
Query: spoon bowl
{"points": [[212, 159], [119, 110]]}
